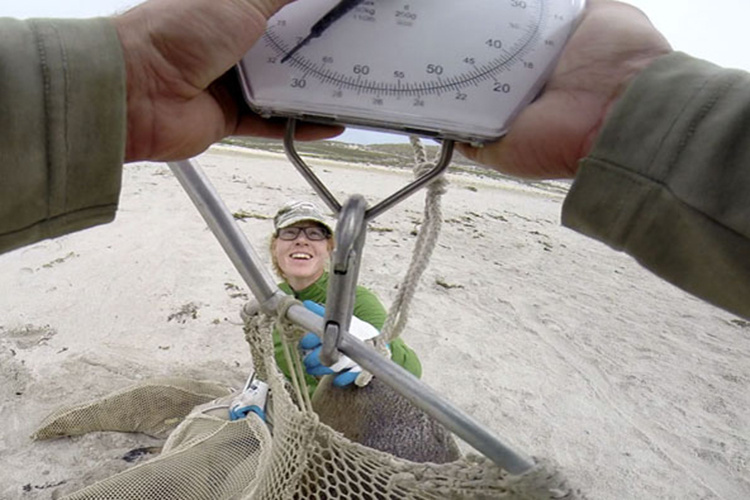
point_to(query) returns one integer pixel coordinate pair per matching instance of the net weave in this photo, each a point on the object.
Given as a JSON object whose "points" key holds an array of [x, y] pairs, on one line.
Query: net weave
{"points": [[131, 409], [208, 457], [293, 455]]}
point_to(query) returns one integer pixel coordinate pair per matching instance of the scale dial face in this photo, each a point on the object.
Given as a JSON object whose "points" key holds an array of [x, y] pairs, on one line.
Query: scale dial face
{"points": [[455, 69]]}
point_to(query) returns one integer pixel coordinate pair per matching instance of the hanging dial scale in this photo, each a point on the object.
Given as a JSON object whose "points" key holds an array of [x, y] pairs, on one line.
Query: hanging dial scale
{"points": [[450, 69]]}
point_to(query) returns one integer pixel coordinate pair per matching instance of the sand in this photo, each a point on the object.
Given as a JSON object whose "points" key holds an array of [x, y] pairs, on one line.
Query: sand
{"points": [[562, 347]]}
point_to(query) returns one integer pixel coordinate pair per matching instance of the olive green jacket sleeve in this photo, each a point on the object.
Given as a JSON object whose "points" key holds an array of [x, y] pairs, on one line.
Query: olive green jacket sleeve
{"points": [[668, 180], [62, 127]]}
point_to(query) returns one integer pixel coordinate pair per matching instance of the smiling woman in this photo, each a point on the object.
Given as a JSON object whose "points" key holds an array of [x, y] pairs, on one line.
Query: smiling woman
{"points": [[301, 244], [300, 248]]}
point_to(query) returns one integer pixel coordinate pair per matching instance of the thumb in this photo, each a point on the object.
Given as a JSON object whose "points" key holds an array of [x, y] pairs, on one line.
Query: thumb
{"points": [[267, 7]]}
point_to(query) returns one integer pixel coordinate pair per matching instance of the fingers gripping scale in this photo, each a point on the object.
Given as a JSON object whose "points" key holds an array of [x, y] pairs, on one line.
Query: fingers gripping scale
{"points": [[435, 68]]}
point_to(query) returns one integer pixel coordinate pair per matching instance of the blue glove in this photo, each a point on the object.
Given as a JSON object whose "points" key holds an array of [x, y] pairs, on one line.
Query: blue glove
{"points": [[251, 400], [346, 369]]}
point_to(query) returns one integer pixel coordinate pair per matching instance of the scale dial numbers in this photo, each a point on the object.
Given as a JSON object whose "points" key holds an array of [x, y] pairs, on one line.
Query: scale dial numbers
{"points": [[445, 68]]}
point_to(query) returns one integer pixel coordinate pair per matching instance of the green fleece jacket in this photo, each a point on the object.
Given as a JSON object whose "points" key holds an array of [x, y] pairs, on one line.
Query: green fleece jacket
{"points": [[367, 307], [668, 180]]}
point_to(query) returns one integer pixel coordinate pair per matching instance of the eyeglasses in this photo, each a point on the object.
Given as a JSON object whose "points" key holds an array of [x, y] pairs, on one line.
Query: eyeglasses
{"points": [[313, 233]]}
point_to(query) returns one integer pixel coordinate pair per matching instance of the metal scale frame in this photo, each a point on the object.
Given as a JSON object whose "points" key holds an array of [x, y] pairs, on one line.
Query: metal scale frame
{"points": [[353, 217]]}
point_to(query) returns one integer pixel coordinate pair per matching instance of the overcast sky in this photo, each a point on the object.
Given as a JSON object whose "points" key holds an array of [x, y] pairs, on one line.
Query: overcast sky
{"points": [[715, 30]]}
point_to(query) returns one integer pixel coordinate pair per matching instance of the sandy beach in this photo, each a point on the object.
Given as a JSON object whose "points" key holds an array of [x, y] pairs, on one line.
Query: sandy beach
{"points": [[561, 346]]}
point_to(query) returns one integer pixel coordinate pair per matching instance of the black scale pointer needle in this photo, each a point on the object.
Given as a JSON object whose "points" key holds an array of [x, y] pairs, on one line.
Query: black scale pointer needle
{"points": [[327, 20]]}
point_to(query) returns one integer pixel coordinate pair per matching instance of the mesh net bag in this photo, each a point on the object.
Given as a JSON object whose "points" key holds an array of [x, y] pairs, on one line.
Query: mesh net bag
{"points": [[206, 457], [296, 457], [309, 460], [153, 407], [291, 455]]}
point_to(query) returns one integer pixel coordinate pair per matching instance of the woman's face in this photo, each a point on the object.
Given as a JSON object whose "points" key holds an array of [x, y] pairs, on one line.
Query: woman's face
{"points": [[302, 260]]}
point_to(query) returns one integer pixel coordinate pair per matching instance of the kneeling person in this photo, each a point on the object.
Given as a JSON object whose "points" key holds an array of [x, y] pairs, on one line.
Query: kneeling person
{"points": [[301, 247]]}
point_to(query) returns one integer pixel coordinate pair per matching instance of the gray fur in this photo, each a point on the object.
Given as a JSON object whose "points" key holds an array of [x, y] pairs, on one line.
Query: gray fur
{"points": [[378, 417]]}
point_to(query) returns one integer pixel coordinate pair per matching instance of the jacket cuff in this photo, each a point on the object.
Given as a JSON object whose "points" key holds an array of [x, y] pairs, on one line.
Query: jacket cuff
{"points": [[667, 179], [65, 109]]}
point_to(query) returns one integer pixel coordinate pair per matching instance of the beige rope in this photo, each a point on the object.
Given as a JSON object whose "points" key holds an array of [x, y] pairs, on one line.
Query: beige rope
{"points": [[256, 322], [398, 314], [290, 333]]}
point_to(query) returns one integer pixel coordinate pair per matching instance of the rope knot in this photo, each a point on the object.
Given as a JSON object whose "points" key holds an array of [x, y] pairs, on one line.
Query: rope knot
{"points": [[437, 186]]}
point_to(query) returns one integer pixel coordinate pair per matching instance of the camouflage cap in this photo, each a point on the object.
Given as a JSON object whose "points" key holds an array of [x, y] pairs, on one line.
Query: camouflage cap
{"points": [[299, 211]]}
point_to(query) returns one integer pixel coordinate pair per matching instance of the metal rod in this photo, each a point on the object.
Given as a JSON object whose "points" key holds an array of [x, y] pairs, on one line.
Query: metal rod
{"points": [[420, 394], [446, 153], [261, 284], [222, 224], [307, 173]]}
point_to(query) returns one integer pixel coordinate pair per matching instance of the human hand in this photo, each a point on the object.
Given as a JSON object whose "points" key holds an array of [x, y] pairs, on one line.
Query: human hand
{"points": [[612, 44], [181, 95], [252, 399], [347, 370]]}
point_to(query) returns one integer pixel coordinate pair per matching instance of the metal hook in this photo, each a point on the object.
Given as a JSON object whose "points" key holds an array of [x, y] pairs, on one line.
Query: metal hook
{"points": [[262, 285], [307, 173], [446, 153], [351, 231], [350, 239]]}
